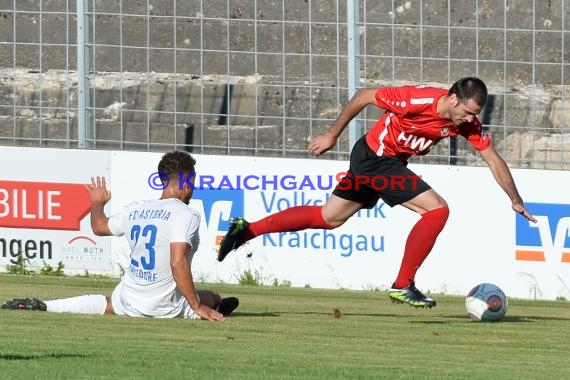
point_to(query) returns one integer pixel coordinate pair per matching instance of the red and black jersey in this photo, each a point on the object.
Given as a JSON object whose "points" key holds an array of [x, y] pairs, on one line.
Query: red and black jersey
{"points": [[411, 126]]}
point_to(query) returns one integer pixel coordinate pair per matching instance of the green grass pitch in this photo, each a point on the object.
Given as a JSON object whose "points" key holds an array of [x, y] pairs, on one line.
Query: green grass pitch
{"points": [[281, 333]]}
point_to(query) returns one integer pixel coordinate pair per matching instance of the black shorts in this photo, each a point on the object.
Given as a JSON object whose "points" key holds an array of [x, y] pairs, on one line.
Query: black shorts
{"points": [[371, 177]]}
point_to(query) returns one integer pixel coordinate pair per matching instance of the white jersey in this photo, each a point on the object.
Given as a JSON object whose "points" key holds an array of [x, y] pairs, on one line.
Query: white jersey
{"points": [[147, 287]]}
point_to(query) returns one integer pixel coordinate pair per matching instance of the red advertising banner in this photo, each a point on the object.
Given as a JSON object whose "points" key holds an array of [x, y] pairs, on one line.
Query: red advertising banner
{"points": [[52, 206]]}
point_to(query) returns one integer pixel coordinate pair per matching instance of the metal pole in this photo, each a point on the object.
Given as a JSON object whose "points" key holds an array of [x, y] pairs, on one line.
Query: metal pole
{"points": [[354, 129], [83, 114]]}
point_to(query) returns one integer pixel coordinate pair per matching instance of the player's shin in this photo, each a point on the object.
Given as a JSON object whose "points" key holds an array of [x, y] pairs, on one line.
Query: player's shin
{"points": [[88, 304], [419, 244]]}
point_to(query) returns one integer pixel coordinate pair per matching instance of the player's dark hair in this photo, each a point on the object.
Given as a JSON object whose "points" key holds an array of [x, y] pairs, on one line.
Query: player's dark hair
{"points": [[173, 163], [470, 88]]}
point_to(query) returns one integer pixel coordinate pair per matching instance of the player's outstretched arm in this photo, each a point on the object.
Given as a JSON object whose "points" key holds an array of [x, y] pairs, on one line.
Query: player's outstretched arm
{"points": [[327, 140], [503, 176], [185, 283], [99, 196]]}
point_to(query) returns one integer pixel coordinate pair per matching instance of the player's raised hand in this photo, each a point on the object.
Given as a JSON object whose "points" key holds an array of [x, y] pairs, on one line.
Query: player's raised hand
{"points": [[518, 207], [98, 191], [321, 144]]}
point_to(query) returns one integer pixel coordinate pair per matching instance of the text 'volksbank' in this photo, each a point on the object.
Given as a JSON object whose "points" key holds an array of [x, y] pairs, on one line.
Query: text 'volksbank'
{"points": [[333, 240]]}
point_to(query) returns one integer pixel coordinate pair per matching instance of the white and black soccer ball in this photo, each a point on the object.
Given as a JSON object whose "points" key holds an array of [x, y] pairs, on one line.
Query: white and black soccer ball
{"points": [[486, 303]]}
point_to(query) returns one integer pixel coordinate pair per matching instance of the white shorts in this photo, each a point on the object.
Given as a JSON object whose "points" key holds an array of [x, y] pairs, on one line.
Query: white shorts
{"points": [[121, 306]]}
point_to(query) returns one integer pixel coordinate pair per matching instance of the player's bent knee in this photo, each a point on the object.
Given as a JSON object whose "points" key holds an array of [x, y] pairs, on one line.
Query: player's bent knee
{"points": [[437, 216], [109, 307], [332, 224], [209, 298], [439, 202]]}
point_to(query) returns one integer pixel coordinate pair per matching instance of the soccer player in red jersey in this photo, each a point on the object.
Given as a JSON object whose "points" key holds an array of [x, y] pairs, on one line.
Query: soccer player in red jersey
{"points": [[416, 118]]}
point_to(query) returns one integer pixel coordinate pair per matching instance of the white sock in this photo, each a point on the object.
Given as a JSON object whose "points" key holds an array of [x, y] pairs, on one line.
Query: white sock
{"points": [[90, 304]]}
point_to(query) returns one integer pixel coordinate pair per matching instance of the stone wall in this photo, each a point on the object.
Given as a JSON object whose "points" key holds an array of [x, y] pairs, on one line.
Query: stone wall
{"points": [[289, 90]]}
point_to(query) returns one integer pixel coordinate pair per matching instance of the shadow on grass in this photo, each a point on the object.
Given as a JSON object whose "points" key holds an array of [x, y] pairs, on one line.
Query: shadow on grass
{"points": [[40, 356], [433, 319], [262, 314], [340, 314], [533, 318], [438, 322], [509, 319]]}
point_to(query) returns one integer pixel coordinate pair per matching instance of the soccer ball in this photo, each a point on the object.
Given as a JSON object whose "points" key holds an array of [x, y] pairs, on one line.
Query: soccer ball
{"points": [[486, 303]]}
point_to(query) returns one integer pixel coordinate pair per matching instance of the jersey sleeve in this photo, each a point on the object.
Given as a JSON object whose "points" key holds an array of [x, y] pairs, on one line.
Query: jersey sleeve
{"points": [[476, 135], [116, 222], [185, 230], [393, 99]]}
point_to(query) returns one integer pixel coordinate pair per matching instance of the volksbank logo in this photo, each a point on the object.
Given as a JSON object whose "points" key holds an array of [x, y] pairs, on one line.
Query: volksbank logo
{"points": [[549, 238], [217, 208]]}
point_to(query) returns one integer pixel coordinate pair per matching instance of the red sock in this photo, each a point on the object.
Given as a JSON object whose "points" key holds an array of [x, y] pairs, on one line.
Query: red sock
{"points": [[419, 244], [292, 219]]}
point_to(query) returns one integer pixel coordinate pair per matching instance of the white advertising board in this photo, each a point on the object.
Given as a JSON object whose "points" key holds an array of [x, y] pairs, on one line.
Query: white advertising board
{"points": [[483, 241], [44, 209]]}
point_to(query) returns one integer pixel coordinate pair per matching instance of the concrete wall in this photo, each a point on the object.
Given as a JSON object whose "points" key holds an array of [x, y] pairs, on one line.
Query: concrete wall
{"points": [[134, 110]]}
